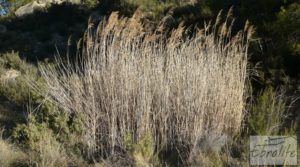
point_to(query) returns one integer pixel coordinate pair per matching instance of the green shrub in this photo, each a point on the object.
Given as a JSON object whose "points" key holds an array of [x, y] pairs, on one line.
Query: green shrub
{"points": [[91, 3], [42, 146], [287, 26], [10, 60], [142, 151], [16, 89], [267, 113], [143, 147], [47, 118], [51, 141], [10, 155], [44, 120], [155, 8]]}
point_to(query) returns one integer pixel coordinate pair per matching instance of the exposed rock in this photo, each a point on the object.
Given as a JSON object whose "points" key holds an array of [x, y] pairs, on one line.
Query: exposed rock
{"points": [[52, 1], [40, 5], [10, 75], [29, 8], [2, 28], [75, 1], [60, 1]]}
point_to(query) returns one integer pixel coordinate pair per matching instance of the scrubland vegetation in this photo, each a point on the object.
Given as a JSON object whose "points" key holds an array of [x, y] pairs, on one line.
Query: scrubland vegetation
{"points": [[148, 83]]}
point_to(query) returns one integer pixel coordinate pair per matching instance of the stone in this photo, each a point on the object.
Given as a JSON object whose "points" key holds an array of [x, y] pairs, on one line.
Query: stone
{"points": [[29, 8], [60, 1], [40, 5]]}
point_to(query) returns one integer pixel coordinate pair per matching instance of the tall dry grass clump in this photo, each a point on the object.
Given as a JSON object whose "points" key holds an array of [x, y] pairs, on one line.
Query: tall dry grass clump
{"points": [[127, 82]]}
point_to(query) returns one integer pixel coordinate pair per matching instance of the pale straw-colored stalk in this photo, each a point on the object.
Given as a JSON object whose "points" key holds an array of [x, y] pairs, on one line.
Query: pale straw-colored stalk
{"points": [[178, 89]]}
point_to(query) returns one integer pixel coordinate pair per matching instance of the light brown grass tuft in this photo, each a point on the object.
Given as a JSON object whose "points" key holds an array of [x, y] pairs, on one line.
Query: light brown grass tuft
{"points": [[179, 89]]}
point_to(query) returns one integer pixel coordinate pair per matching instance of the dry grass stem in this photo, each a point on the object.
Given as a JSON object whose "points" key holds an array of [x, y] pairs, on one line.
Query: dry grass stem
{"points": [[178, 89]]}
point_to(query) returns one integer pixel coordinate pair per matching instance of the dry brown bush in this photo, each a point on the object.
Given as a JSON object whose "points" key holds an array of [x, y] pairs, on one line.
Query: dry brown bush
{"points": [[178, 88]]}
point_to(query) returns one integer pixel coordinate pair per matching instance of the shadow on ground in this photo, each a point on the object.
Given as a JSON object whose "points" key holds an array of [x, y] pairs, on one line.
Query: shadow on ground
{"points": [[10, 115], [36, 36]]}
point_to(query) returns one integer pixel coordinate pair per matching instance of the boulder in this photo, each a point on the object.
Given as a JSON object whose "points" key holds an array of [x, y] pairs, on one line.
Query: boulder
{"points": [[52, 1], [29, 8], [40, 5], [61, 1]]}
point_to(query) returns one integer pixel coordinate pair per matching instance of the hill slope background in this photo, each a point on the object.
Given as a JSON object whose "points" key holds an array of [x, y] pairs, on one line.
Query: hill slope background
{"points": [[51, 119]]}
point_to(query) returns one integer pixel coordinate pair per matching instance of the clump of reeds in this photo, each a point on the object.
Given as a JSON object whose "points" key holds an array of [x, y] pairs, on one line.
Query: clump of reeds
{"points": [[178, 89]]}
